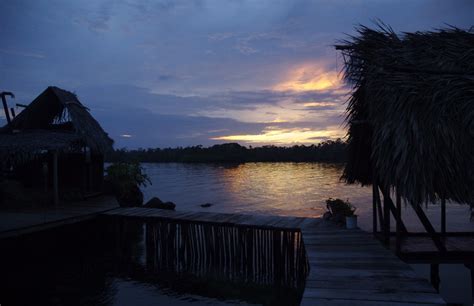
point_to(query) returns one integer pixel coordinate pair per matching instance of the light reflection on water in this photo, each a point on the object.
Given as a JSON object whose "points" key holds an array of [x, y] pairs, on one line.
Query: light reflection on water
{"points": [[291, 189], [297, 189]]}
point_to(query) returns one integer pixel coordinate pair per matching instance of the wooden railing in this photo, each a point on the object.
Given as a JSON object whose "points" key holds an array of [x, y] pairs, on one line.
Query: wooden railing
{"points": [[227, 252]]}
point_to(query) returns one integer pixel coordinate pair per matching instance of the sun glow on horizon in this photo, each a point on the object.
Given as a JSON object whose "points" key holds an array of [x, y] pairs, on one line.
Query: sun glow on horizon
{"points": [[280, 136]]}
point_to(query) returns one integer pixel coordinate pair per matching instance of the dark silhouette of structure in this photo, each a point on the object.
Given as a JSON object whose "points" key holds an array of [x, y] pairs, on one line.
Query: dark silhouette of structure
{"points": [[56, 145], [411, 131]]}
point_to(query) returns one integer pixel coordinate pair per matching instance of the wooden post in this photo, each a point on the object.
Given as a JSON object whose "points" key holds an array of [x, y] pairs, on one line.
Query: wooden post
{"points": [[398, 224], [393, 209], [443, 217], [386, 217], [379, 205], [470, 266], [434, 276], [88, 159], [374, 208], [45, 170], [5, 107], [472, 281], [55, 179]]}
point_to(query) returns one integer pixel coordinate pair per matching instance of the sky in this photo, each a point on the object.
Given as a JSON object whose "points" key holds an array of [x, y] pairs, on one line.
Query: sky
{"points": [[167, 73]]}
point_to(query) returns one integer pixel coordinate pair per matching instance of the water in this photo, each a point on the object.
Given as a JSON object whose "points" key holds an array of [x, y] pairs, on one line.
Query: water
{"points": [[288, 189]]}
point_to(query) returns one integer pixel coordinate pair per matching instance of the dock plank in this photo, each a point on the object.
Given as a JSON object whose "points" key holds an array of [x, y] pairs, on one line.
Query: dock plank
{"points": [[16, 222]]}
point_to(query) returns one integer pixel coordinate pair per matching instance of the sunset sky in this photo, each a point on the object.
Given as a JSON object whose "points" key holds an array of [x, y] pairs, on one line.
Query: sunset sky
{"points": [[175, 73]]}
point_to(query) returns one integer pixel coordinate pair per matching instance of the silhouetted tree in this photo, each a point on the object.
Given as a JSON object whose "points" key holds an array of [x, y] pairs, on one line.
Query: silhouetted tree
{"points": [[327, 151]]}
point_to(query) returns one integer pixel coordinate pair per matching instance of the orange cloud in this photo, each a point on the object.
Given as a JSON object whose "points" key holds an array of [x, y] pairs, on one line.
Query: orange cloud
{"points": [[310, 78], [318, 104]]}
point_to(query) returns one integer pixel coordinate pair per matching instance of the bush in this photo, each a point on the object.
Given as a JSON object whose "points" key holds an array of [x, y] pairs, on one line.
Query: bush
{"points": [[126, 180]]}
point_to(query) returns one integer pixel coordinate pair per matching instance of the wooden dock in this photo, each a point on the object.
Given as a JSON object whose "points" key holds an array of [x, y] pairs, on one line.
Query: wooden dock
{"points": [[15, 222], [347, 267]]}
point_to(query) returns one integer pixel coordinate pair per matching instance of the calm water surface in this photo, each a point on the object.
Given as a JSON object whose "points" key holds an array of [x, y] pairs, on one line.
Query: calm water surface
{"points": [[289, 189], [262, 188]]}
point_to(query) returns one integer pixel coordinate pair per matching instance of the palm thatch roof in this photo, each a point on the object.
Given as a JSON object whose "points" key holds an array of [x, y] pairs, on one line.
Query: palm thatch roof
{"points": [[23, 146], [55, 120], [411, 114]]}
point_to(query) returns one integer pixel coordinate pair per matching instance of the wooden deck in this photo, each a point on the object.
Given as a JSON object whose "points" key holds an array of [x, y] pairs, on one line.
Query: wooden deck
{"points": [[347, 267], [16, 222]]}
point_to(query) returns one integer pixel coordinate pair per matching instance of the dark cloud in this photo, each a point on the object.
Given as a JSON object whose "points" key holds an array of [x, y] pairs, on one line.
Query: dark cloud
{"points": [[112, 96], [156, 130], [159, 70]]}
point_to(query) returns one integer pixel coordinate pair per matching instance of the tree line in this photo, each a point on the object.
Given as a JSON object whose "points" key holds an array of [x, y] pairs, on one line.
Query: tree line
{"points": [[327, 151]]}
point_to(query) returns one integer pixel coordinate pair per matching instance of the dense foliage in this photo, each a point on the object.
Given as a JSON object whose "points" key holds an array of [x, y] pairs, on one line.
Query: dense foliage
{"points": [[125, 179], [126, 174], [328, 151]]}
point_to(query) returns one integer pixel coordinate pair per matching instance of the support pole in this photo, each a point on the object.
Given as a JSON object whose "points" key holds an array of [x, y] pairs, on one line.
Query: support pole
{"points": [[5, 105], [471, 268], [393, 209], [398, 224], [386, 218], [374, 209], [45, 170], [443, 217], [379, 204], [434, 276], [55, 179]]}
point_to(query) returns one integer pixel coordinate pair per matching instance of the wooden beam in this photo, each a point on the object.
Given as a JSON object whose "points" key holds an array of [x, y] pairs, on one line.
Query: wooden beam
{"points": [[391, 206], [55, 179], [379, 204], [386, 217], [429, 227], [374, 209]]}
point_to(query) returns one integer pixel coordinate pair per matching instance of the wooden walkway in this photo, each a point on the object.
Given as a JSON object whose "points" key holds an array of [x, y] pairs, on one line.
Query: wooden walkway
{"points": [[347, 267], [15, 222]]}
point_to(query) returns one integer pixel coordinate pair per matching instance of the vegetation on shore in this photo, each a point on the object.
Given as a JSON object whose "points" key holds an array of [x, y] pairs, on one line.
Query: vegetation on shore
{"points": [[124, 180], [327, 151]]}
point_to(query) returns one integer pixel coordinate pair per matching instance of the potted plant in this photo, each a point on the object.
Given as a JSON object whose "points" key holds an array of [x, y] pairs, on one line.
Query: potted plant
{"points": [[351, 217], [342, 212]]}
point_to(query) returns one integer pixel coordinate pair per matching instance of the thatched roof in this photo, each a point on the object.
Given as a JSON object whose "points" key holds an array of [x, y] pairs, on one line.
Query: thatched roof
{"points": [[54, 120], [21, 146], [411, 113]]}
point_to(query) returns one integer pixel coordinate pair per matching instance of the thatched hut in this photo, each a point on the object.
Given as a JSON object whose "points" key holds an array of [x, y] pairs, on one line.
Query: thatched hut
{"points": [[411, 117], [55, 144]]}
